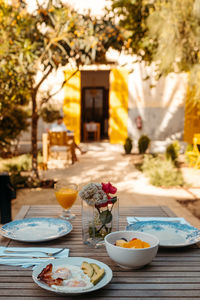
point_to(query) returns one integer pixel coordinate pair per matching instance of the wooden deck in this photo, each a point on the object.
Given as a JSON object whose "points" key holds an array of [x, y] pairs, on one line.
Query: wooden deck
{"points": [[173, 274]]}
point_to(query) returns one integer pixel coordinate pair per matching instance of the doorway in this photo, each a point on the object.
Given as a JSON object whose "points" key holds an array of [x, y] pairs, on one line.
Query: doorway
{"points": [[95, 108]]}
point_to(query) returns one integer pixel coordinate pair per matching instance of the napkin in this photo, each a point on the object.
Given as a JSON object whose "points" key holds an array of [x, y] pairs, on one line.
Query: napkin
{"points": [[132, 220], [29, 262]]}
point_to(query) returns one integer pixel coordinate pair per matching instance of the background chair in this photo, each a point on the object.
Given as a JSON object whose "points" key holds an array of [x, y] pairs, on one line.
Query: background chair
{"points": [[56, 142], [91, 128]]}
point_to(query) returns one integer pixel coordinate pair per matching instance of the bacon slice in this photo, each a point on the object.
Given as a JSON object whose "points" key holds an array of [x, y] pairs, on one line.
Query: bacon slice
{"points": [[46, 276]]}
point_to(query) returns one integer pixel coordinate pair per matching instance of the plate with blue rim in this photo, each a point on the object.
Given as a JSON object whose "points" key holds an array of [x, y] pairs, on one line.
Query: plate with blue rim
{"points": [[170, 234], [36, 229], [73, 261]]}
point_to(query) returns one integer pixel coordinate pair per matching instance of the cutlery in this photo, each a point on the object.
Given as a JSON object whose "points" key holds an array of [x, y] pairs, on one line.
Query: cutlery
{"points": [[24, 257], [25, 252]]}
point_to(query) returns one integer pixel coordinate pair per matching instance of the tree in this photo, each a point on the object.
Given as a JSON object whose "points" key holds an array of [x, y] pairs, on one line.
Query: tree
{"points": [[55, 35], [132, 16], [165, 32], [175, 24], [14, 92]]}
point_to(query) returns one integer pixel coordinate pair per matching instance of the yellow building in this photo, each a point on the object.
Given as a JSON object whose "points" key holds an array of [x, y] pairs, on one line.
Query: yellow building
{"points": [[116, 99], [97, 96]]}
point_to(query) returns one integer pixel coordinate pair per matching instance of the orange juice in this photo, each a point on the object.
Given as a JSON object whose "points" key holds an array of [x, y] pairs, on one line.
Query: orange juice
{"points": [[66, 197]]}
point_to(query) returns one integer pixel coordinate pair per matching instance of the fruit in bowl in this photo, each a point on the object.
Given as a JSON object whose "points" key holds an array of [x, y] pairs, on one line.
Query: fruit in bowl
{"points": [[133, 243], [131, 257]]}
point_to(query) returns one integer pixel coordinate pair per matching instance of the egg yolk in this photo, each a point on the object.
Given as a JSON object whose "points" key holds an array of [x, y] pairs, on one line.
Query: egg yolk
{"points": [[63, 273]]}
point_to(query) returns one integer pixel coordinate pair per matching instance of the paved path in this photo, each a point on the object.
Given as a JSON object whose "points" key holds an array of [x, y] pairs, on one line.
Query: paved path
{"points": [[104, 162]]}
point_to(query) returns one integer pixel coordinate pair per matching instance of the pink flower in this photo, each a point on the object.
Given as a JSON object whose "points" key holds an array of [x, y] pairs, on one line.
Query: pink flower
{"points": [[108, 188]]}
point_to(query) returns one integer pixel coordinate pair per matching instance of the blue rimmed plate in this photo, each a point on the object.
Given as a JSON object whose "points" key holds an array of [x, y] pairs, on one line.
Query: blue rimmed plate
{"points": [[74, 261], [36, 229], [170, 234]]}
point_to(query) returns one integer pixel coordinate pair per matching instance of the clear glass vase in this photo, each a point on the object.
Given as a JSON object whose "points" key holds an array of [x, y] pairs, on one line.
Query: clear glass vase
{"points": [[97, 222]]}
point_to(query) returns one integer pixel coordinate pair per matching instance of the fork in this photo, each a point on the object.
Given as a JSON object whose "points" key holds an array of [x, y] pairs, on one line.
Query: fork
{"points": [[25, 252]]}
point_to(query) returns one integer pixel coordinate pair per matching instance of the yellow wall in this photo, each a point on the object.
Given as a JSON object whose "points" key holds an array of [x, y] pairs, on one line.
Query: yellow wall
{"points": [[72, 103], [118, 106], [192, 118]]}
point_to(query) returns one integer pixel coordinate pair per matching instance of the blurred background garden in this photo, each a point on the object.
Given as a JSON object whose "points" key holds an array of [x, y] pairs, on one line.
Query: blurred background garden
{"points": [[124, 76]]}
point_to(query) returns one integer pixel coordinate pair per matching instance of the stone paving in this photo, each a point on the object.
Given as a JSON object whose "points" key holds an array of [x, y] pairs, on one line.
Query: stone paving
{"points": [[104, 162]]}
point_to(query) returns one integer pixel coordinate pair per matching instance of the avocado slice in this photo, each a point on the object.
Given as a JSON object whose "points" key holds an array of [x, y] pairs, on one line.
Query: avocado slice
{"points": [[87, 269], [96, 268], [97, 276]]}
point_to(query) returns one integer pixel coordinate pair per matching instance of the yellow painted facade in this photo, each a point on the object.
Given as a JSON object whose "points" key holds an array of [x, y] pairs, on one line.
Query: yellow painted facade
{"points": [[192, 118], [72, 102], [118, 106]]}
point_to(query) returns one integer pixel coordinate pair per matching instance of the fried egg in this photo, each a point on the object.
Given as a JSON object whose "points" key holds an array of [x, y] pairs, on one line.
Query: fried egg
{"points": [[74, 280]]}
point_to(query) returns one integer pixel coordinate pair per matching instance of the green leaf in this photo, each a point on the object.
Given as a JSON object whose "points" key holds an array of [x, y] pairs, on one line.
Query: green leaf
{"points": [[105, 217], [113, 200]]}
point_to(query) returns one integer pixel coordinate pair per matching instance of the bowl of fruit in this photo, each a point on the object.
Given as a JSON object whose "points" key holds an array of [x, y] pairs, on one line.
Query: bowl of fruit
{"points": [[131, 249]]}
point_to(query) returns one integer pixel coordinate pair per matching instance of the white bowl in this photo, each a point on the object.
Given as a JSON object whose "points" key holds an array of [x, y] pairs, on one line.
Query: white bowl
{"points": [[131, 258]]}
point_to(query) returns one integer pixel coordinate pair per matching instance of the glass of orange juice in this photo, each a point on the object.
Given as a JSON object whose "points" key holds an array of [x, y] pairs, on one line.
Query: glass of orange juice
{"points": [[66, 194]]}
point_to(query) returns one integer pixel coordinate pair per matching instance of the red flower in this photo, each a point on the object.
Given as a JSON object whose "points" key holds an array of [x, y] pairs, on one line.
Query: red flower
{"points": [[108, 188]]}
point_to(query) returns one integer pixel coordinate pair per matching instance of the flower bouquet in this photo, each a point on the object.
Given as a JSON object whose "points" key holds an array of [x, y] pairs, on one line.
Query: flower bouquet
{"points": [[99, 212]]}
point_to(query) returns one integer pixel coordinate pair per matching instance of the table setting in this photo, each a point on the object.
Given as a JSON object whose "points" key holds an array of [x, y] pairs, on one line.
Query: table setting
{"points": [[80, 254]]}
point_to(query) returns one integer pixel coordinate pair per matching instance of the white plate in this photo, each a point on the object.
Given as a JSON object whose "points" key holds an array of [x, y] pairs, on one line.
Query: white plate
{"points": [[36, 229], [75, 261], [170, 234]]}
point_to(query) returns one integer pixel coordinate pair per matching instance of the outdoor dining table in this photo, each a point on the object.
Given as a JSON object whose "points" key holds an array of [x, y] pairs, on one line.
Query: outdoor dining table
{"points": [[173, 274]]}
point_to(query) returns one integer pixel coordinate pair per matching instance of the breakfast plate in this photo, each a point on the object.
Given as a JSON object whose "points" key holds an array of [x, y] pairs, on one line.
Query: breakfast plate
{"points": [[170, 234], [73, 263], [36, 229]]}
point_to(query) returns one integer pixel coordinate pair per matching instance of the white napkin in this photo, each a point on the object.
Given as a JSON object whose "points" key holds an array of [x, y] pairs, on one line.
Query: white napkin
{"points": [[132, 220], [28, 262]]}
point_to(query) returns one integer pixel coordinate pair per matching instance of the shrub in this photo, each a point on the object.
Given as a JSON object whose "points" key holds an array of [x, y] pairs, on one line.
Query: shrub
{"points": [[162, 172], [128, 145], [143, 144], [172, 151], [49, 114]]}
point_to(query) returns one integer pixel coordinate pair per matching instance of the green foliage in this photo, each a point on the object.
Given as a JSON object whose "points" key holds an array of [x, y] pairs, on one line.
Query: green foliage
{"points": [[143, 144], [19, 168], [13, 122], [128, 145], [49, 114], [165, 32], [172, 151], [53, 36], [133, 17], [162, 172]]}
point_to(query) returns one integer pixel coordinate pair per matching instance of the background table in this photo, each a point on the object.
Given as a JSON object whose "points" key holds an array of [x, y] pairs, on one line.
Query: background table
{"points": [[173, 274]]}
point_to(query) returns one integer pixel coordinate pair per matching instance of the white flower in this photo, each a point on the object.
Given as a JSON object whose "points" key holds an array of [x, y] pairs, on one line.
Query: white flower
{"points": [[93, 194]]}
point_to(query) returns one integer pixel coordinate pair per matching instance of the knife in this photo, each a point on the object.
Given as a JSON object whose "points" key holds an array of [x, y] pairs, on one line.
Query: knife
{"points": [[24, 257]]}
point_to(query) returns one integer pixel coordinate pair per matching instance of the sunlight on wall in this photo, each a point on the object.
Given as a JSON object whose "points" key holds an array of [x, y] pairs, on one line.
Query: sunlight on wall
{"points": [[192, 118], [159, 103], [72, 103], [118, 106]]}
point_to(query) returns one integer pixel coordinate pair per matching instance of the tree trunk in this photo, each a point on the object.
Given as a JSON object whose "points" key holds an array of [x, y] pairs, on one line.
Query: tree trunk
{"points": [[34, 136]]}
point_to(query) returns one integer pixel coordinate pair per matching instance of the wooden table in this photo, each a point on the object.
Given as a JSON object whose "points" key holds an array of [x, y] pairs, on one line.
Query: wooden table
{"points": [[173, 274]]}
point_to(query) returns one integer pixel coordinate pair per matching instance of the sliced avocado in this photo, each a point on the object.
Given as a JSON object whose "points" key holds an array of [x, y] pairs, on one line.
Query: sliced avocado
{"points": [[98, 276], [96, 268], [87, 269]]}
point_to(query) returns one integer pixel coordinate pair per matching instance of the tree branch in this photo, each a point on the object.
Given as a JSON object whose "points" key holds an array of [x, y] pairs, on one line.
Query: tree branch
{"points": [[43, 79], [45, 100]]}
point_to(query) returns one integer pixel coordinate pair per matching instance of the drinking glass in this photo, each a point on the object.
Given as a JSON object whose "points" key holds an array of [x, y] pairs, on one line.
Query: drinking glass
{"points": [[66, 194]]}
